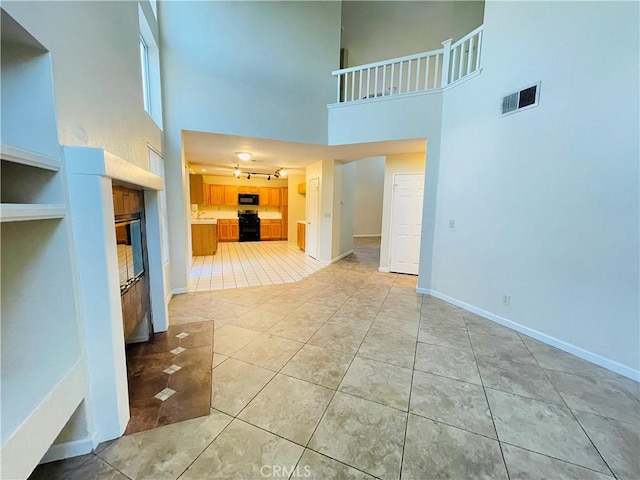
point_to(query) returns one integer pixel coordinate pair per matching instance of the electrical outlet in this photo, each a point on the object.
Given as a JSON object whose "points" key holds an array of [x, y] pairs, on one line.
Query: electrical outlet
{"points": [[506, 300], [451, 223]]}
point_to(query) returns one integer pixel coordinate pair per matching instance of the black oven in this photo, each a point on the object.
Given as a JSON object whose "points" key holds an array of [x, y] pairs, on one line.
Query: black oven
{"points": [[247, 199]]}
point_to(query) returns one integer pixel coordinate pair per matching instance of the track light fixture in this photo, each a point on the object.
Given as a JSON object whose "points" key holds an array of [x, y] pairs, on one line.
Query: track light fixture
{"points": [[279, 173]]}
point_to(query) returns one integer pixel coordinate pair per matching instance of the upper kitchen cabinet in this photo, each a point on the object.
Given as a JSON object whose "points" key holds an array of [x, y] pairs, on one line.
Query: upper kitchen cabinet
{"points": [[274, 197], [196, 186], [231, 195], [248, 189], [263, 193], [216, 195]]}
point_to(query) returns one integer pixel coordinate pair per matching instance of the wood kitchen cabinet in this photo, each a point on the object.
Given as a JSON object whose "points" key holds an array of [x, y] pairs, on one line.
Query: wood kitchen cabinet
{"points": [[234, 230], [263, 198], [249, 190], [302, 230], [270, 229], [265, 229], [284, 196], [196, 188], [276, 229], [204, 239], [230, 194], [285, 223], [216, 195], [274, 197], [228, 230]]}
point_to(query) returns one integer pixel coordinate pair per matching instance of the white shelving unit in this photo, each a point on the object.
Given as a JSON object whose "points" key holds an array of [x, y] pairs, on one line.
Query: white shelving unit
{"points": [[43, 379]]}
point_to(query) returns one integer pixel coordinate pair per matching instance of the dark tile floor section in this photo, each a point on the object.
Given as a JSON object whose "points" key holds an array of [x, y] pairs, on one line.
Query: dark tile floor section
{"points": [[146, 365]]}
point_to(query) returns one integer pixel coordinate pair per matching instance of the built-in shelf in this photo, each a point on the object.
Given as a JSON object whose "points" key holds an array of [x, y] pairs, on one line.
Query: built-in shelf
{"points": [[25, 157], [22, 212]]}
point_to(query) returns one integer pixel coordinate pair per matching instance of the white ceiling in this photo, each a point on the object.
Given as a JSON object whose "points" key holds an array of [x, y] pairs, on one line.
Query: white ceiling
{"points": [[216, 152]]}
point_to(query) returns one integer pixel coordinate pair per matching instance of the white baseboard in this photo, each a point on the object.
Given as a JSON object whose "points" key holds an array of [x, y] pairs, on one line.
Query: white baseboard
{"points": [[340, 257], [178, 291], [385, 270], [368, 235], [543, 337], [75, 448]]}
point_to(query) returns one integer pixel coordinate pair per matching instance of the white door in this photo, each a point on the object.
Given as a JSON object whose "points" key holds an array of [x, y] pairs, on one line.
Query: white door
{"points": [[311, 235], [406, 223]]}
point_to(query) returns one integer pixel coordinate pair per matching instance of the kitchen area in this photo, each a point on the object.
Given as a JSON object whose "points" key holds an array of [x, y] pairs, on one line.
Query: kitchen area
{"points": [[232, 209]]}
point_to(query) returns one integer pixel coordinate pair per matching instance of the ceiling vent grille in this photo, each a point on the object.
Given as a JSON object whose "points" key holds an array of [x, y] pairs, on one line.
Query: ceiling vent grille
{"points": [[526, 98]]}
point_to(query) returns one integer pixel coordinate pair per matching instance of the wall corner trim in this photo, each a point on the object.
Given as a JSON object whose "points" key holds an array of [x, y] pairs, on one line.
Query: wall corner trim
{"points": [[75, 448], [549, 340], [340, 257]]}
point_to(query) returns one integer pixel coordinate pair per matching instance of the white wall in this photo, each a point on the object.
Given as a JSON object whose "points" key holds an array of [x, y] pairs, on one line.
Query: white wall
{"points": [[401, 163], [368, 188], [375, 31], [245, 68], [343, 210], [397, 118], [545, 201], [96, 73]]}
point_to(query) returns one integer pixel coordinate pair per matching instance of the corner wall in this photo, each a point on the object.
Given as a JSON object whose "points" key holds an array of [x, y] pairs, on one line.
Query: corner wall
{"points": [[368, 196], [260, 69], [545, 201]]}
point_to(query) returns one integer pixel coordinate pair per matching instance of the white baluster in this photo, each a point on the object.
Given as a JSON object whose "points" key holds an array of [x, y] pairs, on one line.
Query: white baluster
{"points": [[360, 86], [453, 64], [384, 79], [470, 55], [375, 83], [353, 85], [400, 79], [417, 74], [435, 72], [461, 67], [445, 65], [392, 79], [409, 76], [368, 89], [479, 49], [426, 73]]}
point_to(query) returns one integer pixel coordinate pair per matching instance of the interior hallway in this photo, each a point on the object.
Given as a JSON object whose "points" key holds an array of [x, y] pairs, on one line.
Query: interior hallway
{"points": [[350, 374]]}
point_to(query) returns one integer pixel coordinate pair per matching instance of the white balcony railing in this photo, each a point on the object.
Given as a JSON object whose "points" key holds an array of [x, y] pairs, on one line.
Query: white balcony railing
{"points": [[416, 73]]}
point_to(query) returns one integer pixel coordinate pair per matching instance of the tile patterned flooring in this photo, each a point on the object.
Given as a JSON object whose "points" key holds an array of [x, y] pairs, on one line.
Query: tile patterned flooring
{"points": [[350, 374], [170, 376], [250, 264]]}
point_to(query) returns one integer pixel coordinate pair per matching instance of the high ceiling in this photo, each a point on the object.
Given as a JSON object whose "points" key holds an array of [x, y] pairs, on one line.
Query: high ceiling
{"points": [[216, 152]]}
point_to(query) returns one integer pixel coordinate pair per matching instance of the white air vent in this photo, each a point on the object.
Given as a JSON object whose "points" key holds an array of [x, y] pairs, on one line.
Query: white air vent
{"points": [[525, 98]]}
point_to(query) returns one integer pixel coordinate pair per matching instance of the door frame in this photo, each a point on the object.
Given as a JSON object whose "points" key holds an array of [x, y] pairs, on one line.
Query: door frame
{"points": [[318, 202], [392, 210]]}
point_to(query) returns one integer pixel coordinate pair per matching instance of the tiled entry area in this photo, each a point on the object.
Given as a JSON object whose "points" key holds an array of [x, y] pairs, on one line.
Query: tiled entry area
{"points": [[350, 374], [170, 377], [250, 264]]}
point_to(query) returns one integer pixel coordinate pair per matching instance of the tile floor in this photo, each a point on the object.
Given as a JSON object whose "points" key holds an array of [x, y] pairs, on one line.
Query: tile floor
{"points": [[250, 264], [169, 377], [350, 374]]}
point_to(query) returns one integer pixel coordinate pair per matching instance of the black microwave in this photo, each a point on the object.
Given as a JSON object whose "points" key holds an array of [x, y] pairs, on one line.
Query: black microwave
{"points": [[248, 199]]}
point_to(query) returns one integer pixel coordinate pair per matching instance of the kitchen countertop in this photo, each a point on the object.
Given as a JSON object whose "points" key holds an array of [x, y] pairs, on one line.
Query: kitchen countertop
{"points": [[204, 221], [302, 221]]}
